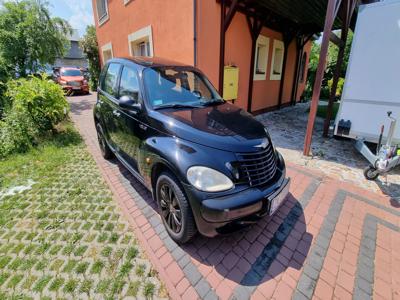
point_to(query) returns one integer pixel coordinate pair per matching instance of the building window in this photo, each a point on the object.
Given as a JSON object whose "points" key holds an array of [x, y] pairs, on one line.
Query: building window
{"points": [[303, 67], [277, 60], [102, 11], [107, 52], [261, 58], [141, 42]]}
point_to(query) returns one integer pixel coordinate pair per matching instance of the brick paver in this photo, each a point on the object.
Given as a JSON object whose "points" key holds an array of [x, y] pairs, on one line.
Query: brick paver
{"points": [[330, 239]]}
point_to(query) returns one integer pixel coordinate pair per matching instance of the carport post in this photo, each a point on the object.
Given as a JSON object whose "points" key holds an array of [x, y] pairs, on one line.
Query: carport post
{"points": [[329, 19], [287, 38], [226, 19], [335, 81], [255, 29], [350, 6]]}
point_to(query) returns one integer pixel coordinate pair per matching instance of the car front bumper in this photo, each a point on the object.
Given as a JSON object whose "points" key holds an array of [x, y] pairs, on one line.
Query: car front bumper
{"points": [[234, 211], [82, 88]]}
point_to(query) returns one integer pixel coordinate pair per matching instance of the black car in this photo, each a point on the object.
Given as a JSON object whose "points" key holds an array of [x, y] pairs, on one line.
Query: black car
{"points": [[210, 165]]}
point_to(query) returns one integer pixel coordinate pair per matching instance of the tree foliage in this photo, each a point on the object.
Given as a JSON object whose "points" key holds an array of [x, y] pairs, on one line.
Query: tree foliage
{"points": [[330, 67], [90, 48], [29, 37]]}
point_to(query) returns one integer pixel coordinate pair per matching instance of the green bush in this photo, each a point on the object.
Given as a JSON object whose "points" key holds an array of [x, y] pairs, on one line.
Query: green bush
{"points": [[17, 133], [339, 88], [36, 106], [41, 98]]}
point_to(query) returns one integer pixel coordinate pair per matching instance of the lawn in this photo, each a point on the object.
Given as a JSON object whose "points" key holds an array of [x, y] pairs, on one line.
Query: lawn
{"points": [[63, 236], [323, 107]]}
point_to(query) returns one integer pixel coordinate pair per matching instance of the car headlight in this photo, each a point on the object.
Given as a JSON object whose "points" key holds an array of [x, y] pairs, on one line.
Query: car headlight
{"points": [[208, 180], [62, 82]]}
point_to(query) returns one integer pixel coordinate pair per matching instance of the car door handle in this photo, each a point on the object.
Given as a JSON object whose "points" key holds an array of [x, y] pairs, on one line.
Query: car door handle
{"points": [[116, 113]]}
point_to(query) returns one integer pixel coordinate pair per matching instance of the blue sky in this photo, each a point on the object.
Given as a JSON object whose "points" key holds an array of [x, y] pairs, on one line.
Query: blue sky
{"points": [[78, 13]]}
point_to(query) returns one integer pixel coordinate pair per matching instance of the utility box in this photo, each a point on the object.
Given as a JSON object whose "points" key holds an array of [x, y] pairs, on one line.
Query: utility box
{"points": [[231, 82]]}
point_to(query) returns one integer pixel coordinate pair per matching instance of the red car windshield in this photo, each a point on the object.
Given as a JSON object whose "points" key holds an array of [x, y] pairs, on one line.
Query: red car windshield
{"points": [[71, 72]]}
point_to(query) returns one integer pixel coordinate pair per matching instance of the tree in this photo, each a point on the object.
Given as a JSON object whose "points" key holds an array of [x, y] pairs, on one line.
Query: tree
{"points": [[330, 66], [29, 37], [90, 48]]}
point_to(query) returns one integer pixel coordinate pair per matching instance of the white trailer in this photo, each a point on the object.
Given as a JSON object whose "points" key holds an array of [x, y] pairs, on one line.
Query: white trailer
{"points": [[372, 85]]}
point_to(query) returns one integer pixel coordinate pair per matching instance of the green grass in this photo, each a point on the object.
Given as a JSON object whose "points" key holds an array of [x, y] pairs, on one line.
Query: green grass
{"points": [[64, 234]]}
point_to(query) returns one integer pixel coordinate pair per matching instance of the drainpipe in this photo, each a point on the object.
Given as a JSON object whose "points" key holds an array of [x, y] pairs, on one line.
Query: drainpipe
{"points": [[195, 33]]}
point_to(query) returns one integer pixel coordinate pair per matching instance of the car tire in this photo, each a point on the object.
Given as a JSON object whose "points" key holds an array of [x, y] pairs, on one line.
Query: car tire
{"points": [[169, 211], [104, 148], [369, 173]]}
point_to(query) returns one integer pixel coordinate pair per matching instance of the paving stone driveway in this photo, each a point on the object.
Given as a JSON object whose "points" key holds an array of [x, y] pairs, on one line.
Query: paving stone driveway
{"points": [[329, 240]]}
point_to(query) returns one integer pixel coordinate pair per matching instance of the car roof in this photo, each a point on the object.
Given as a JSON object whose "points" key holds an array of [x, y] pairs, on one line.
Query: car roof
{"points": [[146, 62]]}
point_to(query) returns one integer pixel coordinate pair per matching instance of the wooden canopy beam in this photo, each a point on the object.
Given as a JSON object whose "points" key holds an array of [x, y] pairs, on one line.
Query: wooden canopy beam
{"points": [[329, 19], [287, 39], [255, 25], [231, 13], [350, 6], [226, 19], [336, 40]]}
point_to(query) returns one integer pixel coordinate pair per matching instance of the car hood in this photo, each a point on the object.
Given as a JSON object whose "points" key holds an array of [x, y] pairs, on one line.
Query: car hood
{"points": [[72, 78], [224, 126]]}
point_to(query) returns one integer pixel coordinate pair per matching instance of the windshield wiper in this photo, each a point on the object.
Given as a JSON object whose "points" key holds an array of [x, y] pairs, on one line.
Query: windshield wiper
{"points": [[175, 105]]}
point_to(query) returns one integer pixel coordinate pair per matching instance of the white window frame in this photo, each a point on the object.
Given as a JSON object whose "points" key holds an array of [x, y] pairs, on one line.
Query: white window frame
{"points": [[138, 36], [263, 41], [277, 45], [104, 48], [105, 19]]}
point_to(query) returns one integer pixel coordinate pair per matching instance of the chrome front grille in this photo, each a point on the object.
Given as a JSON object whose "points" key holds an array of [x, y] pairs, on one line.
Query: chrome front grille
{"points": [[258, 167]]}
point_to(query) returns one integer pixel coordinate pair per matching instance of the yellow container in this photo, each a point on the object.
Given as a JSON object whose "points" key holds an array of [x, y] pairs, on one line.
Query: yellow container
{"points": [[231, 82]]}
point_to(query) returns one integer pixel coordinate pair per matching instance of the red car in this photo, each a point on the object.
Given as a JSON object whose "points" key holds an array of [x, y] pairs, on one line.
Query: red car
{"points": [[72, 80]]}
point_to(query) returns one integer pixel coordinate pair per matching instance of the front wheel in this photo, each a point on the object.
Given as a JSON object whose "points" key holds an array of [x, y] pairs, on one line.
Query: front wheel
{"points": [[370, 173], [175, 210]]}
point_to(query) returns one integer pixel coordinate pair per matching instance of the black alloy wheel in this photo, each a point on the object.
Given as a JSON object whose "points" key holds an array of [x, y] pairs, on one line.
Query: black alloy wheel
{"points": [[170, 209]]}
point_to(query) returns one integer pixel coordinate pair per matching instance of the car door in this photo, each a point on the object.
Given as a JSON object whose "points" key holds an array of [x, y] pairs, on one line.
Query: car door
{"points": [[129, 126], [108, 94]]}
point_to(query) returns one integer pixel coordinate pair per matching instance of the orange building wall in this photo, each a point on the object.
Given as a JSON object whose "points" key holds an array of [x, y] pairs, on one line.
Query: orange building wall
{"points": [[173, 38], [237, 52], [171, 22]]}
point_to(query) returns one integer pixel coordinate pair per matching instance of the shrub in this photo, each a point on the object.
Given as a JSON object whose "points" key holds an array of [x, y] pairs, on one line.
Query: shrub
{"points": [[17, 133], [36, 106], [41, 98], [339, 88]]}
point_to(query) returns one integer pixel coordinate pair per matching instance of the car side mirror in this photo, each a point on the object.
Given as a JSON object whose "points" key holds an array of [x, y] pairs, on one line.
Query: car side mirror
{"points": [[130, 102]]}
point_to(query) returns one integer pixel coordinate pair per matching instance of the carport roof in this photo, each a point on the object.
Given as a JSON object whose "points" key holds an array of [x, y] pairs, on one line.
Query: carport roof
{"points": [[309, 15]]}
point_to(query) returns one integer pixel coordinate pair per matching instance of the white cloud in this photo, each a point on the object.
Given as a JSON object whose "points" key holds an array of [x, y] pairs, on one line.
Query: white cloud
{"points": [[82, 14]]}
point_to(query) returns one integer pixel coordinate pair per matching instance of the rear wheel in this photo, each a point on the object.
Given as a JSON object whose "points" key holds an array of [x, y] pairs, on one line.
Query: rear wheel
{"points": [[174, 208], [370, 173], [105, 150]]}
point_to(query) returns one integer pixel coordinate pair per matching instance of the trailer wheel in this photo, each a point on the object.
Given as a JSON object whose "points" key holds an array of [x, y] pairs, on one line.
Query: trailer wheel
{"points": [[370, 173]]}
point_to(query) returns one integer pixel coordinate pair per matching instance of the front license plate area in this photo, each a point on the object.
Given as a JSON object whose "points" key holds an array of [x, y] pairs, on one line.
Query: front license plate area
{"points": [[278, 197]]}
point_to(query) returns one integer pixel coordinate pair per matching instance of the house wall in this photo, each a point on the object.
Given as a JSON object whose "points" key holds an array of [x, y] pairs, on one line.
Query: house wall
{"points": [[173, 38], [171, 22], [238, 53]]}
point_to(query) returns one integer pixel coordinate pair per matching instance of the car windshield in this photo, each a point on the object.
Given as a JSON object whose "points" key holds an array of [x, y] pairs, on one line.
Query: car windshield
{"points": [[71, 72], [178, 87]]}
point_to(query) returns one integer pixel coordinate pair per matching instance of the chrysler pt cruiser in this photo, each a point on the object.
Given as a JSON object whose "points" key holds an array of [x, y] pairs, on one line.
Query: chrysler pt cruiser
{"points": [[210, 166]]}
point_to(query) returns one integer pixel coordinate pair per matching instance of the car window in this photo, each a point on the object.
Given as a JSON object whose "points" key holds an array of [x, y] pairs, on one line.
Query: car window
{"points": [[177, 85], [110, 79], [129, 84], [71, 72]]}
